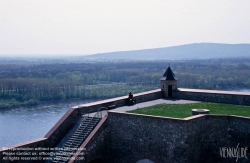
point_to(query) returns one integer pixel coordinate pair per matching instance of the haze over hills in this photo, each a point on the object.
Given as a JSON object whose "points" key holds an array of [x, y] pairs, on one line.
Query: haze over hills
{"points": [[188, 51], [181, 52]]}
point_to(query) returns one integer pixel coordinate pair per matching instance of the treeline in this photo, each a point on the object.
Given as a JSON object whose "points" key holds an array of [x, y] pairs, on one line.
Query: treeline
{"points": [[27, 84]]}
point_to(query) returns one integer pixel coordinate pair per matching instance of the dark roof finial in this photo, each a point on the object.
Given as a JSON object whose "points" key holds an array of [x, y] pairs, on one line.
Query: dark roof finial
{"points": [[168, 75]]}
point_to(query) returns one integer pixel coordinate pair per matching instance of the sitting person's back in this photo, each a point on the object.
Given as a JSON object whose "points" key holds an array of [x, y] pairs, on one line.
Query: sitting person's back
{"points": [[130, 99], [130, 95]]}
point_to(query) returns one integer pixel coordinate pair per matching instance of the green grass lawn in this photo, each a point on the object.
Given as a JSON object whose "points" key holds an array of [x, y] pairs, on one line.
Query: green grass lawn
{"points": [[184, 110]]}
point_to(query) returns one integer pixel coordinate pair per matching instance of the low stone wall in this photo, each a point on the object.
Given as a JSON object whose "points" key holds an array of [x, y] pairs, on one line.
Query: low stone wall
{"points": [[148, 96], [119, 101], [60, 129], [239, 98]]}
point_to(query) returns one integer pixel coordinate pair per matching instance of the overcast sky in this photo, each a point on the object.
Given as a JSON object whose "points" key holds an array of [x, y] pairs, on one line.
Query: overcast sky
{"points": [[44, 27]]}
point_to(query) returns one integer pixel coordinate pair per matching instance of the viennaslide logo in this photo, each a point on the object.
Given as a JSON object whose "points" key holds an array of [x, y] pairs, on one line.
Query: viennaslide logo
{"points": [[233, 152]]}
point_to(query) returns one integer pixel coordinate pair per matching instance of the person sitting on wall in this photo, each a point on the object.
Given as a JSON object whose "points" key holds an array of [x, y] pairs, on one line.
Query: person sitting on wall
{"points": [[130, 95], [130, 99]]}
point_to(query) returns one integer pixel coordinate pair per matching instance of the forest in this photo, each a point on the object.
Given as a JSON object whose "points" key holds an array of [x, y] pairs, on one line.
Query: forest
{"points": [[24, 84]]}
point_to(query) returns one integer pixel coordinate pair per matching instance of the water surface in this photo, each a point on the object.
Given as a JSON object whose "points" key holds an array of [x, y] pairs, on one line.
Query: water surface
{"points": [[24, 124]]}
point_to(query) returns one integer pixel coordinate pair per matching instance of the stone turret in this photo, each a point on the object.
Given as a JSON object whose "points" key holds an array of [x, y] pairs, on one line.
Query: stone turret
{"points": [[168, 83]]}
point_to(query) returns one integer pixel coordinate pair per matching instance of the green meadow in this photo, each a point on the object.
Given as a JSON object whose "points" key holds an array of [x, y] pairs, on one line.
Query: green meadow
{"points": [[184, 110]]}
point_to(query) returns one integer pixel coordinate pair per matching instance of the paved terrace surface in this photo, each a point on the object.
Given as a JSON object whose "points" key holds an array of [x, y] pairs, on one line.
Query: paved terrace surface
{"points": [[154, 102], [148, 103]]}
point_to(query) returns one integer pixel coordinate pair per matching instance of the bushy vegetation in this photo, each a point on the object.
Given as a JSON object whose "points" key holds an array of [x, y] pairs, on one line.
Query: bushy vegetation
{"points": [[29, 84]]}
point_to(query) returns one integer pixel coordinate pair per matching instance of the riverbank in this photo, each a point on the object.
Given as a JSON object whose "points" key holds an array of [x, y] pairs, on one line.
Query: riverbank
{"points": [[13, 104]]}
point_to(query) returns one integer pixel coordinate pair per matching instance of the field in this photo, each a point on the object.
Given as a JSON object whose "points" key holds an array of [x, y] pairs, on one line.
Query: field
{"points": [[184, 110]]}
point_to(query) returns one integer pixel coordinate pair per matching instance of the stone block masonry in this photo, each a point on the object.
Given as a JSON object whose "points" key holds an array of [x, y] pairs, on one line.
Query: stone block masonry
{"points": [[158, 139], [132, 137]]}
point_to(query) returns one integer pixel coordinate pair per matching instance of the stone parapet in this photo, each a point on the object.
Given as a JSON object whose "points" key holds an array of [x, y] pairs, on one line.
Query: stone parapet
{"points": [[230, 97]]}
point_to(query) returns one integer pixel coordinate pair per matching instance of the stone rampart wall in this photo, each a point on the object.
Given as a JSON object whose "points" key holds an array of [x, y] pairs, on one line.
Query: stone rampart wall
{"points": [[239, 98], [195, 139]]}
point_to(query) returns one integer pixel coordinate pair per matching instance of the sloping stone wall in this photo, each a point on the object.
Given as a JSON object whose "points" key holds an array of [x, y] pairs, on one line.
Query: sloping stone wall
{"points": [[195, 139], [133, 137]]}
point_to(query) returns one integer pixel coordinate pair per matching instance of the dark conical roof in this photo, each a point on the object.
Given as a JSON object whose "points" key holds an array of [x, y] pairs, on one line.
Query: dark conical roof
{"points": [[168, 75]]}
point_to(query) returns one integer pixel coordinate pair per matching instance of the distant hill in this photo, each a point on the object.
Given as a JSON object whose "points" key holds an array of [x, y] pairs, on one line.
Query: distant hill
{"points": [[188, 51]]}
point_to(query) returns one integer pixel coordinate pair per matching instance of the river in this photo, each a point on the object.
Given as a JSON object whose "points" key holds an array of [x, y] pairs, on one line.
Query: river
{"points": [[24, 124]]}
